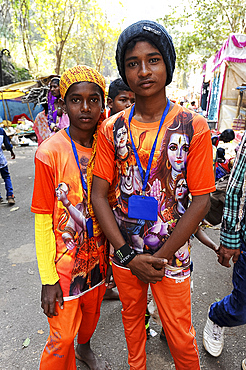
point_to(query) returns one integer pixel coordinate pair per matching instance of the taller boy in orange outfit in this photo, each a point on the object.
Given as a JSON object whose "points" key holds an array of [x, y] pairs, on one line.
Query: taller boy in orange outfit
{"points": [[163, 146], [72, 261]]}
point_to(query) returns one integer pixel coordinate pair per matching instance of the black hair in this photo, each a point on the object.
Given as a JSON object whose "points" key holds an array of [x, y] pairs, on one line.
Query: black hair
{"points": [[116, 86], [45, 106], [56, 80], [133, 42], [227, 135], [119, 123], [221, 153], [78, 82], [215, 140]]}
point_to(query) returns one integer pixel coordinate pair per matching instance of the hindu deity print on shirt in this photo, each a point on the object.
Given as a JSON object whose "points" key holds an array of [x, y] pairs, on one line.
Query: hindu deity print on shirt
{"points": [[73, 228], [167, 184], [81, 259]]}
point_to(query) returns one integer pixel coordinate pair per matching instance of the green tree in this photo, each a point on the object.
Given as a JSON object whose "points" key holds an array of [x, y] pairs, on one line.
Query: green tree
{"points": [[54, 22], [101, 39], [202, 27], [21, 23], [51, 35], [6, 31]]}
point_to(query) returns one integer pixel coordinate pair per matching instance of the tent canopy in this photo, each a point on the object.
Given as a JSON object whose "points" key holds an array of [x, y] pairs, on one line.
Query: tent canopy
{"points": [[226, 70], [10, 98]]}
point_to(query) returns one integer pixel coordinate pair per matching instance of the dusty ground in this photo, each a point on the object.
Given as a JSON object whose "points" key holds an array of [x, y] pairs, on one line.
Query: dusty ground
{"points": [[21, 316]]}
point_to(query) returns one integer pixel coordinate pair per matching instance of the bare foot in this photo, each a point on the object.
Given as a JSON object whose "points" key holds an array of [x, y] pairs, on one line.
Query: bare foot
{"points": [[84, 353], [110, 294]]}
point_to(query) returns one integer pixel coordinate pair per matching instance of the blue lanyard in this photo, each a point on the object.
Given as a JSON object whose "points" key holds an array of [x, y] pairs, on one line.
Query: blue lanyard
{"points": [[84, 185], [146, 177]]}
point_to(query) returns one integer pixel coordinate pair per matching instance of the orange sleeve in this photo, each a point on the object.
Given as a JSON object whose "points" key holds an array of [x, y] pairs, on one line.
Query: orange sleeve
{"points": [[105, 159], [44, 189], [200, 175]]}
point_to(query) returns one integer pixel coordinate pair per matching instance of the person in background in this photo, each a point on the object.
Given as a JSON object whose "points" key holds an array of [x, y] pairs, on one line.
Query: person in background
{"points": [[120, 96], [223, 165], [4, 167], [231, 310], [57, 117], [193, 106], [40, 125]]}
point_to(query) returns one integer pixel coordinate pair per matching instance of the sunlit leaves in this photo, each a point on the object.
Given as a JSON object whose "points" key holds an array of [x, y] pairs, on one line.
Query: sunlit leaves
{"points": [[202, 26]]}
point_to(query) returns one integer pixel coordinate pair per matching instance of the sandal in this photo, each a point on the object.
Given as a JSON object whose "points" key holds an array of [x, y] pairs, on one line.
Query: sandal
{"points": [[11, 200]]}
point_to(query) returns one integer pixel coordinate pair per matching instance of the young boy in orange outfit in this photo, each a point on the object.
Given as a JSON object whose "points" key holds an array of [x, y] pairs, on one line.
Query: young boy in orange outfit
{"points": [[147, 152], [72, 260]]}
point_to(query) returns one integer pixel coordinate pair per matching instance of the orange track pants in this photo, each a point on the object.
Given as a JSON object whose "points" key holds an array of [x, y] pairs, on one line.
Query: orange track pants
{"points": [[173, 300], [80, 316]]}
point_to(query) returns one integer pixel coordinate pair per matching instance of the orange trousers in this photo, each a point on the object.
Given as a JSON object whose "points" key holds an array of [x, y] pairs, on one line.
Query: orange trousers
{"points": [[80, 316], [173, 300]]}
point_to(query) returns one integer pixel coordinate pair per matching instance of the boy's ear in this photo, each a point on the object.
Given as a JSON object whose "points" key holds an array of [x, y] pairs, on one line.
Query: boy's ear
{"points": [[110, 102], [62, 104]]}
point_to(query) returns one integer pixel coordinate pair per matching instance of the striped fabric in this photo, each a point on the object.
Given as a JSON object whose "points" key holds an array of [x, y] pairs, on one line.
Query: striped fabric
{"points": [[233, 223]]}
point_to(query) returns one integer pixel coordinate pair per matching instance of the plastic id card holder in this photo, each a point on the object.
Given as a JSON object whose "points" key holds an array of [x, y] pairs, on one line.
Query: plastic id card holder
{"points": [[89, 226], [142, 207]]}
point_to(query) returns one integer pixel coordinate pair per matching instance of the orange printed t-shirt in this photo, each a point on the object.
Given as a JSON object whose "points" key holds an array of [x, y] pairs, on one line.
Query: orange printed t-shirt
{"points": [[182, 164], [81, 262]]}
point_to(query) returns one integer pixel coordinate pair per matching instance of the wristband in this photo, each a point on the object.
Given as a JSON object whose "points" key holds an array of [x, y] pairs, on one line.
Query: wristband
{"points": [[125, 254]]}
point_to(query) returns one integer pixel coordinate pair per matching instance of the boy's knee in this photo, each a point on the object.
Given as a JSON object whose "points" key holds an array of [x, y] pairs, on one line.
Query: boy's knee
{"points": [[64, 339]]}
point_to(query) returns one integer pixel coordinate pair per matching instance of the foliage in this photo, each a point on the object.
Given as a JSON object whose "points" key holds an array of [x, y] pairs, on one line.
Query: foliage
{"points": [[47, 36], [21, 74], [11, 73], [54, 21], [103, 38], [21, 23], [202, 27], [5, 21]]}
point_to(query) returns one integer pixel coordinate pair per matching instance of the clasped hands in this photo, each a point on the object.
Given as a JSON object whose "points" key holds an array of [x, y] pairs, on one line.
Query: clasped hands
{"points": [[147, 268]]}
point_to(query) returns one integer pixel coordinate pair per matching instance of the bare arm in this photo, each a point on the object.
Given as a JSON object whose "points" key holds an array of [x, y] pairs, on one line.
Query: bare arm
{"points": [[186, 226], [204, 239], [142, 264]]}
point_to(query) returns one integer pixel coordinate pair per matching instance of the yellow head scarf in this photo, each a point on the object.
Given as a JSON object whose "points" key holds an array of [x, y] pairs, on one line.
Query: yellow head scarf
{"points": [[80, 74]]}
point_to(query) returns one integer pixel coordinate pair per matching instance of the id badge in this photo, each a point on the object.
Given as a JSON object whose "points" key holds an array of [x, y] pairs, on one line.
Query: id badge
{"points": [[89, 227], [142, 207]]}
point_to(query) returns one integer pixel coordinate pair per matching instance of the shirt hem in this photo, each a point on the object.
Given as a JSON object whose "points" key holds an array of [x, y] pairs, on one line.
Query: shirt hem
{"points": [[203, 191], [70, 298], [42, 211], [98, 174]]}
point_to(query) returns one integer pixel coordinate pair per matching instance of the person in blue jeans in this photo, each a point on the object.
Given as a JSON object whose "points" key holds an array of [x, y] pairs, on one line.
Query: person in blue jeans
{"points": [[4, 167], [231, 310]]}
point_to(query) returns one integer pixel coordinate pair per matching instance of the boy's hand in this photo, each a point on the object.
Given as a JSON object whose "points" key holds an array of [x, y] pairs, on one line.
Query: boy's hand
{"points": [[225, 254], [49, 295], [147, 268], [110, 283], [12, 154]]}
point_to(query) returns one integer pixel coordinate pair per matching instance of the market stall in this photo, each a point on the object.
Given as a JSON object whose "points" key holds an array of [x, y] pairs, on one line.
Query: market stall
{"points": [[226, 72], [17, 114]]}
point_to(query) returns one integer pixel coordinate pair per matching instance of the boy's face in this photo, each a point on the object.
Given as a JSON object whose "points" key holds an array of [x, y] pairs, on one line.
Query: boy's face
{"points": [[145, 69], [122, 101], [84, 105]]}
